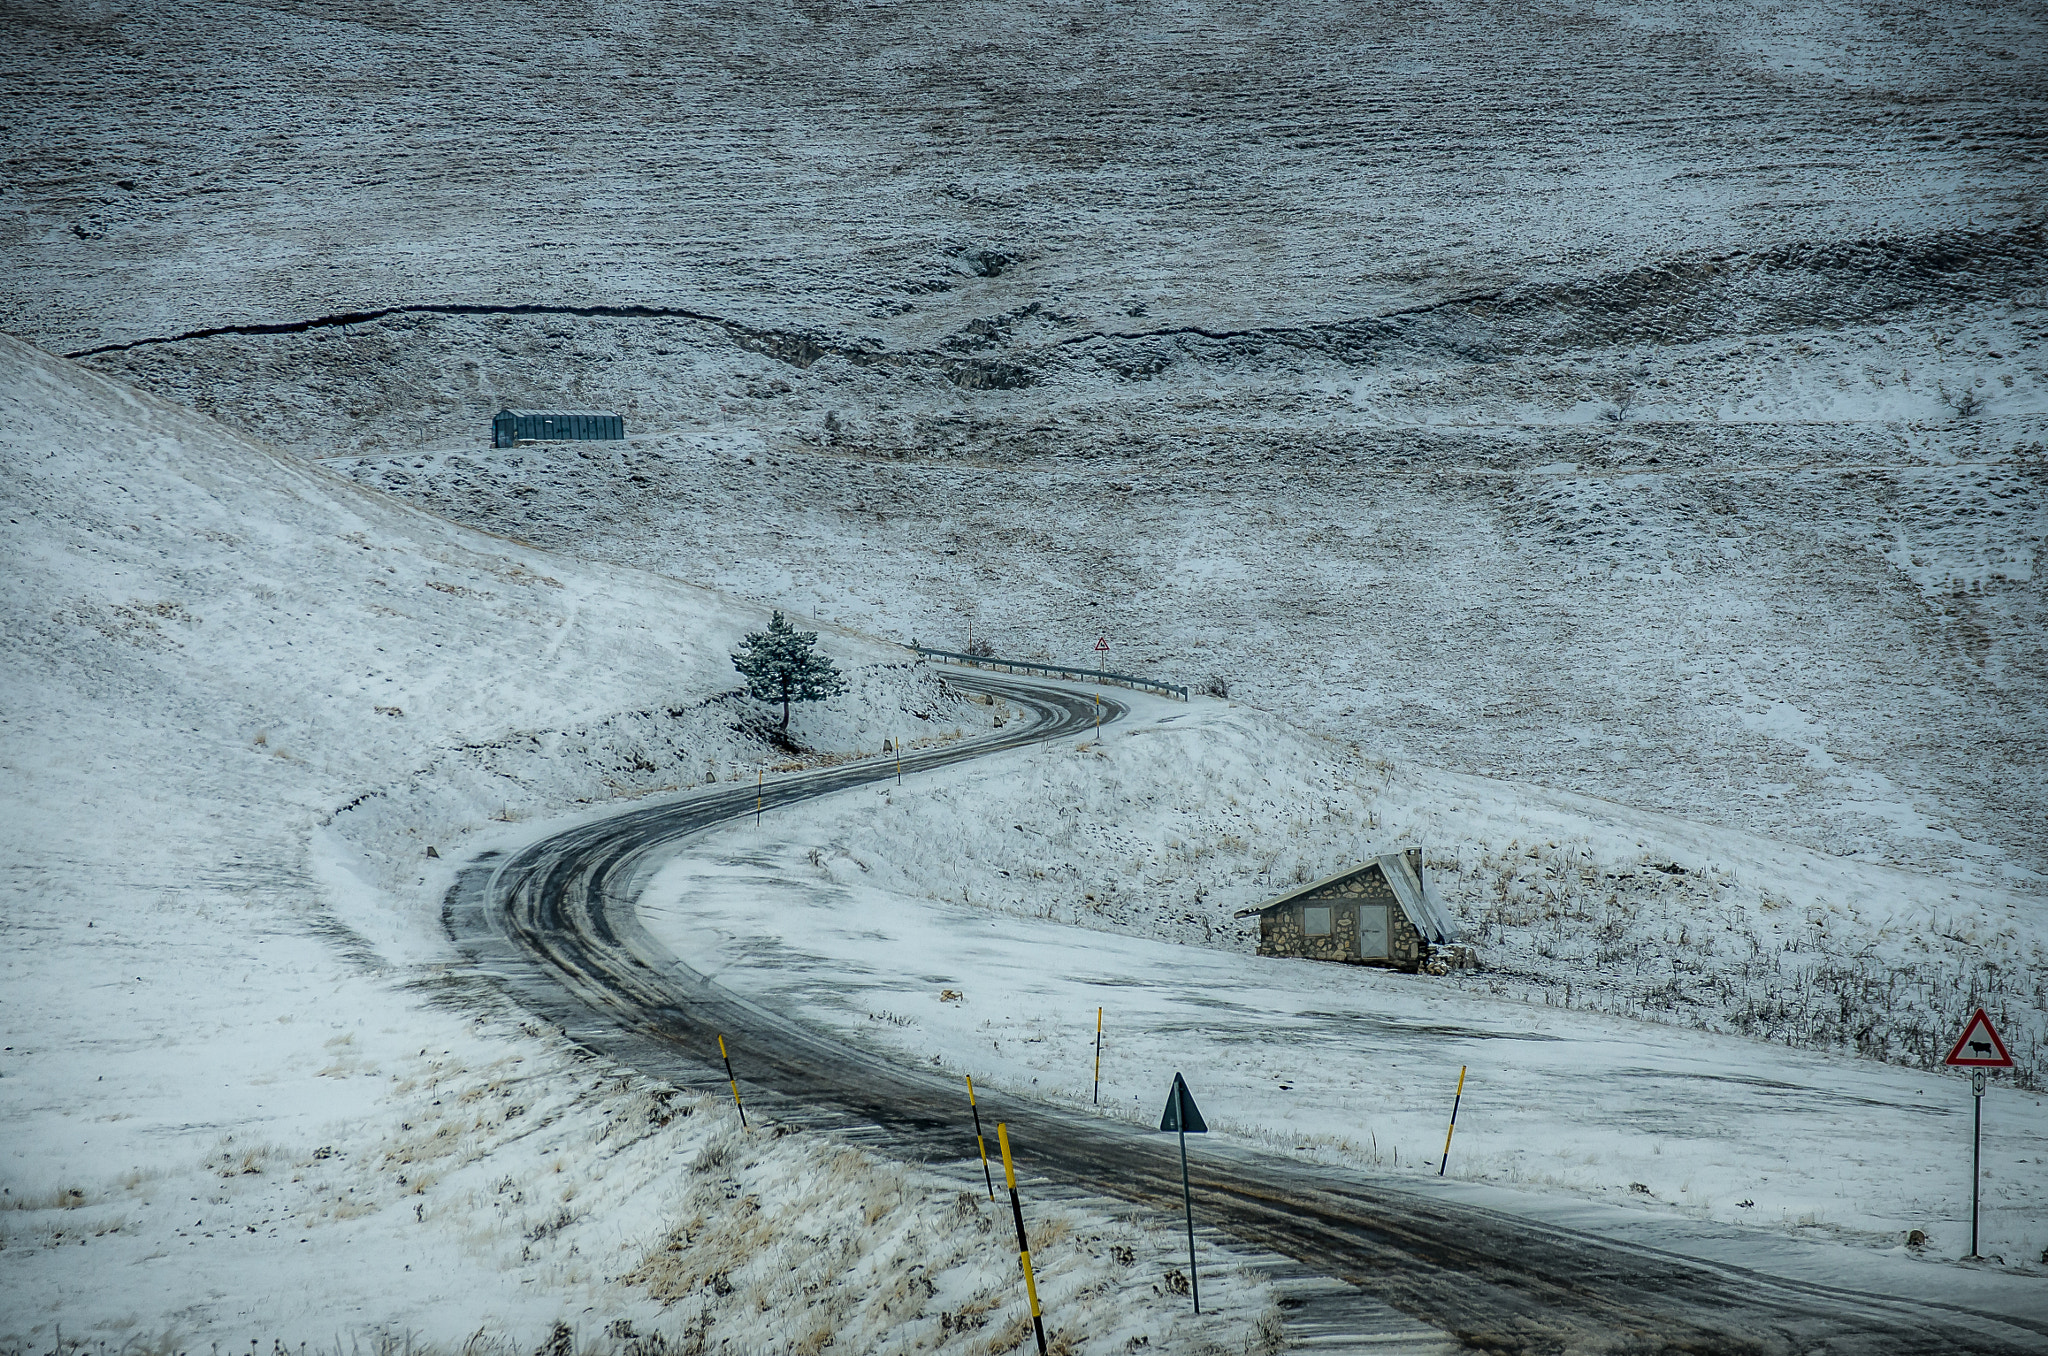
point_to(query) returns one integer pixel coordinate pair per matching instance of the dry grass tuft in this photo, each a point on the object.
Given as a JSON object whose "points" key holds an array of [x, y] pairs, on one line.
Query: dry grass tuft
{"points": [[56, 1198]]}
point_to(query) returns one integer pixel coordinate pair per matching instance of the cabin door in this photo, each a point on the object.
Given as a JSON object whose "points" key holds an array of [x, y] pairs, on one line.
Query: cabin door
{"points": [[1372, 932]]}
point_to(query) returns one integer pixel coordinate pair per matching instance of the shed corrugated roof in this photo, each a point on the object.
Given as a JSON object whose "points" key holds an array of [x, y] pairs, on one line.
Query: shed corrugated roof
{"points": [[1425, 908], [1418, 898], [561, 414]]}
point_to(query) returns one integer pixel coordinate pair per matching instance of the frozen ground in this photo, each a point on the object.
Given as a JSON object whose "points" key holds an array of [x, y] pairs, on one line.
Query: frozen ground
{"points": [[246, 1098], [1647, 402], [1166, 830], [1725, 622], [869, 172], [849, 915], [1576, 408]]}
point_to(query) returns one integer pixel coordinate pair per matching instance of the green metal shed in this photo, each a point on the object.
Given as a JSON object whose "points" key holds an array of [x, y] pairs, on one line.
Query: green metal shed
{"points": [[512, 427]]}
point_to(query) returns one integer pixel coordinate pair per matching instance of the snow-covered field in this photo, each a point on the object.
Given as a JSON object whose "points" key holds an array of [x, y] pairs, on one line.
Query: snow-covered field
{"points": [[1602, 444], [907, 174], [247, 1097], [1746, 630], [852, 914], [1643, 401], [1168, 829]]}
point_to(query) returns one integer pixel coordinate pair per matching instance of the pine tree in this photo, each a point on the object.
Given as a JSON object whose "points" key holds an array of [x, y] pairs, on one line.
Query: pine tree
{"points": [[782, 664]]}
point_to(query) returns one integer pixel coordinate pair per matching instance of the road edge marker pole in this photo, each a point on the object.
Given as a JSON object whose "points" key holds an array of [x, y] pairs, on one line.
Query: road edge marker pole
{"points": [[979, 1142], [734, 1083], [1098, 1057], [1023, 1244], [759, 774], [1445, 1162]]}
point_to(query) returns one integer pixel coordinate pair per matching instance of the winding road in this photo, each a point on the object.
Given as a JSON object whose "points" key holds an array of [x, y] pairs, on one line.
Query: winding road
{"points": [[556, 924]]}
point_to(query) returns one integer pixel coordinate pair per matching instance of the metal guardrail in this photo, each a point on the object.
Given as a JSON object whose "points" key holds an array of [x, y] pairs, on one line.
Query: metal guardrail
{"points": [[984, 661]]}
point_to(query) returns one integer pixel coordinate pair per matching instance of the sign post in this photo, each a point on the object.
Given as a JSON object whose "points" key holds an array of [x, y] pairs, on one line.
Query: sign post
{"points": [[1976, 1149], [1184, 1116], [1977, 1049]]}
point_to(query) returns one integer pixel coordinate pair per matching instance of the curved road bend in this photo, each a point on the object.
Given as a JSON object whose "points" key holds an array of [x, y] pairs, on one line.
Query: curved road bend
{"points": [[556, 924]]}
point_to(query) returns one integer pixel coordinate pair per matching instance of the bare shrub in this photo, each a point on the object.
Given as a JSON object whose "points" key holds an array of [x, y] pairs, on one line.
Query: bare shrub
{"points": [[714, 1155], [1965, 402]]}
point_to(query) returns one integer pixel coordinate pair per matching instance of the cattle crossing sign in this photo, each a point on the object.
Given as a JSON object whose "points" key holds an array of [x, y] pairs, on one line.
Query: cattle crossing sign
{"points": [[1977, 1050], [1979, 1047]]}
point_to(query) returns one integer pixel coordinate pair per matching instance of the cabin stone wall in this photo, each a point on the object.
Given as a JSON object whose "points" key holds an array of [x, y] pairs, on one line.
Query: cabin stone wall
{"points": [[1405, 947], [1281, 932]]}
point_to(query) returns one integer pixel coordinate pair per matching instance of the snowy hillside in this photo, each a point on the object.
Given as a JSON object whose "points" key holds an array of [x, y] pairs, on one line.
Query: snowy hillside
{"points": [[912, 176], [238, 1075], [1831, 633], [1643, 402], [1606, 445]]}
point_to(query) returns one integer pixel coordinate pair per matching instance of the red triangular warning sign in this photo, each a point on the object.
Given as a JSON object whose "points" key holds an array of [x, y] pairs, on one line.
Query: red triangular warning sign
{"points": [[1980, 1047]]}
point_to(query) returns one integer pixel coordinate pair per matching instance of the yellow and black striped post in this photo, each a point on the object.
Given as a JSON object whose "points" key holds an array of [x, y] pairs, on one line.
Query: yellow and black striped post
{"points": [[1023, 1244], [733, 1082], [1445, 1162], [1098, 1056], [979, 1142]]}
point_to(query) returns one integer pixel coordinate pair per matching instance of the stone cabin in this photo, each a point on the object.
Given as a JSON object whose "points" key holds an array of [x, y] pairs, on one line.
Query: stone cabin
{"points": [[1382, 913]]}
